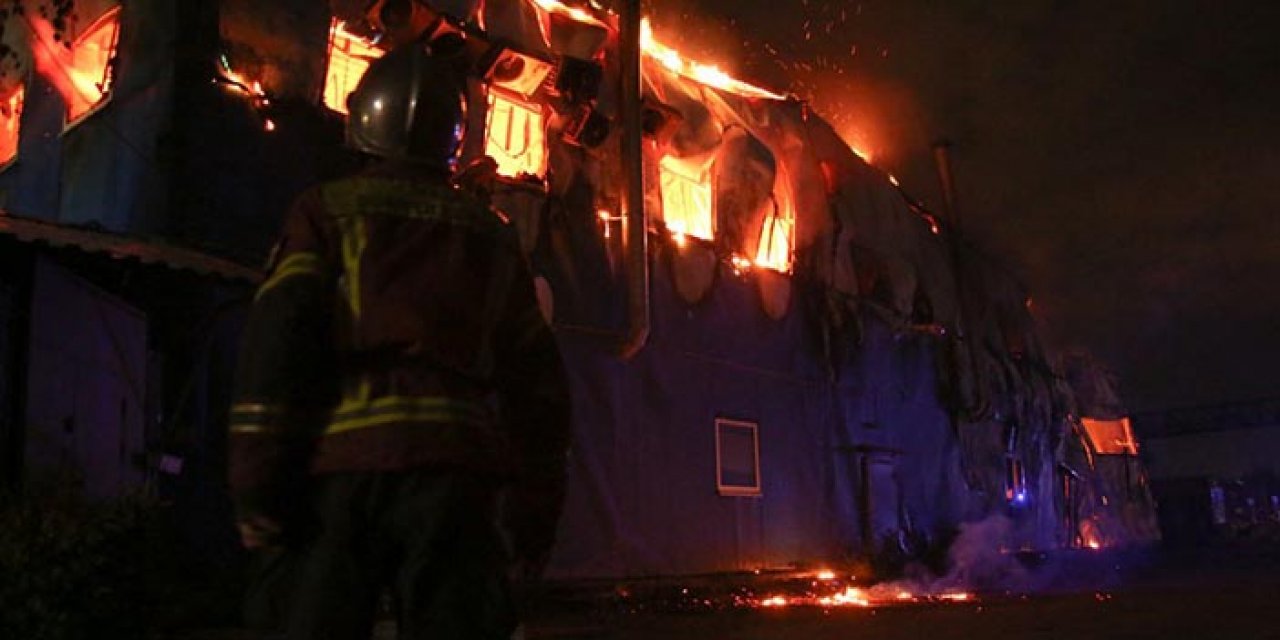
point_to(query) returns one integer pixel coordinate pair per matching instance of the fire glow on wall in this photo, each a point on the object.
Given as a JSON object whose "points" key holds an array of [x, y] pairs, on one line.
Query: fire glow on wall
{"points": [[10, 119], [349, 58], [81, 72]]}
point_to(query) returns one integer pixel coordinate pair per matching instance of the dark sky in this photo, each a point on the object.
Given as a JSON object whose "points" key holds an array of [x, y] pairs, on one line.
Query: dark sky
{"points": [[1123, 156]]}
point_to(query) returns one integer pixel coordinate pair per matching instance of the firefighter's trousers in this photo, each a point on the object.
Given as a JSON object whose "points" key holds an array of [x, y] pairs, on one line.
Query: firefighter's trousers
{"points": [[429, 538]]}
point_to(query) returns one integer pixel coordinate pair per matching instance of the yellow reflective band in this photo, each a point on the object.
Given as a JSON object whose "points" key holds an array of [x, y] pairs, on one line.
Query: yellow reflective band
{"points": [[354, 241], [249, 429], [297, 264], [356, 414]]}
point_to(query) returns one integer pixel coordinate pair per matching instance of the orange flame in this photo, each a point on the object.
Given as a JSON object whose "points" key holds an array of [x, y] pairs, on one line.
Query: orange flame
{"points": [[555, 6], [349, 58], [81, 73], [709, 75], [687, 207], [515, 136], [10, 119]]}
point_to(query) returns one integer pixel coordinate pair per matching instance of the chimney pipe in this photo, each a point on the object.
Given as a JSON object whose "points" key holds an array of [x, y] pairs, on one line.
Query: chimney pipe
{"points": [[942, 160], [636, 233]]}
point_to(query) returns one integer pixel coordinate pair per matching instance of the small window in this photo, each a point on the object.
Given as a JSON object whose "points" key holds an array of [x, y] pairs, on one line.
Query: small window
{"points": [[1111, 437], [10, 121], [737, 458], [687, 197], [349, 58], [515, 135]]}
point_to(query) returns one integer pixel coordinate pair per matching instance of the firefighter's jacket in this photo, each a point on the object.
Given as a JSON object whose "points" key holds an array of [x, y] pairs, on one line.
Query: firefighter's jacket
{"points": [[397, 329]]}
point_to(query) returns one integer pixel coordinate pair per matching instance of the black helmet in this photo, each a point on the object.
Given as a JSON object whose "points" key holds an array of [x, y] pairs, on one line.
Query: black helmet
{"points": [[410, 105]]}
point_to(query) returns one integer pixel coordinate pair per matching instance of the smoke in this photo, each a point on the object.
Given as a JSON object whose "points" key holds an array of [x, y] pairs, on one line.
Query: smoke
{"points": [[977, 560], [984, 558]]}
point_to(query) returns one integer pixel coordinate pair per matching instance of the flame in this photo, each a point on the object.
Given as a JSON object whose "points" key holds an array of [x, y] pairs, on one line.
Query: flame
{"points": [[515, 136], [777, 234], [709, 75], [826, 575], [774, 601], [82, 73], [349, 58], [555, 6], [687, 197], [956, 597], [10, 121]]}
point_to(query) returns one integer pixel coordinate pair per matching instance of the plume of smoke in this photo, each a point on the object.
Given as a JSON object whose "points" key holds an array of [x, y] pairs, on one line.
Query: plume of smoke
{"points": [[978, 560]]}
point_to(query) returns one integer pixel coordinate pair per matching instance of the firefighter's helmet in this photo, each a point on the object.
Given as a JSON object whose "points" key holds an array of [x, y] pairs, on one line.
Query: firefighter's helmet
{"points": [[410, 105]]}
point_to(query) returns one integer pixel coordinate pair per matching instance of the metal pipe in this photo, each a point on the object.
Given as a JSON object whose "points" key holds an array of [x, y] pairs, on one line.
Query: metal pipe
{"points": [[636, 234], [942, 158]]}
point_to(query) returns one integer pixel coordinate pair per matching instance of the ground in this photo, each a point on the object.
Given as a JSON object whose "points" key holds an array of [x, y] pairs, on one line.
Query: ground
{"points": [[1218, 593]]}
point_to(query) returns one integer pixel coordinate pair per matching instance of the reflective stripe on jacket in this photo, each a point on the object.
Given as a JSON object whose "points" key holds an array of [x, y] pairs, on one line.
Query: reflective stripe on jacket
{"points": [[397, 329]]}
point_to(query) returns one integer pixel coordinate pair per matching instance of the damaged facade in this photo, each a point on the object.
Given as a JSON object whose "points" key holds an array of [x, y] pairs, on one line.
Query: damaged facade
{"points": [[815, 365]]}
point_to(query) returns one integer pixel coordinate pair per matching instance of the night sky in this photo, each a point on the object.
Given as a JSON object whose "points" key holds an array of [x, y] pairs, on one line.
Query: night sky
{"points": [[1122, 157]]}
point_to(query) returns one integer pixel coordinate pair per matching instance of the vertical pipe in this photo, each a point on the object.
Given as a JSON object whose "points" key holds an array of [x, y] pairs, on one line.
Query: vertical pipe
{"points": [[636, 234], [942, 158]]}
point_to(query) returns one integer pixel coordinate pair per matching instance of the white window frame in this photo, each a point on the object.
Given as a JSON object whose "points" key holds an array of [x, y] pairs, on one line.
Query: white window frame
{"points": [[738, 490]]}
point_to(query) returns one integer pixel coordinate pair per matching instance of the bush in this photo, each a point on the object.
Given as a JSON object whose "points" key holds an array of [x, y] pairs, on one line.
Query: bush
{"points": [[70, 568]]}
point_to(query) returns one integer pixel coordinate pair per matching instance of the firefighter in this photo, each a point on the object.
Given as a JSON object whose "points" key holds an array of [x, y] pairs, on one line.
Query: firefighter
{"points": [[396, 373]]}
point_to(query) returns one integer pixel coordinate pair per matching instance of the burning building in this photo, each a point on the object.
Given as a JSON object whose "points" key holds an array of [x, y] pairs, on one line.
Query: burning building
{"points": [[777, 356]]}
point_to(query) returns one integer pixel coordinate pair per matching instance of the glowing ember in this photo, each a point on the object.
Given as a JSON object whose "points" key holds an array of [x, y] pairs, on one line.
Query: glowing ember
{"points": [[687, 197], [826, 575], [955, 597], [905, 595], [349, 58], [893, 180], [10, 120], [774, 601], [82, 73], [740, 264], [515, 136], [850, 596], [709, 75]]}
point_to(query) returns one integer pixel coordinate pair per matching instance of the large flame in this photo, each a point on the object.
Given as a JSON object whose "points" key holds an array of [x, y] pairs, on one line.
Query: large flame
{"points": [[10, 119], [709, 75], [515, 136], [687, 197], [81, 73], [349, 58]]}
